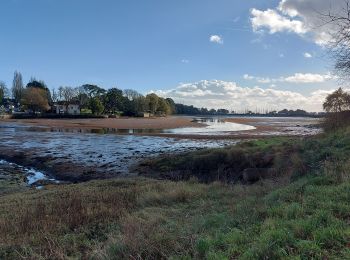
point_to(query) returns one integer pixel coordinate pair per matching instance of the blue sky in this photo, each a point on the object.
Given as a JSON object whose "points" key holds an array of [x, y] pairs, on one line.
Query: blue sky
{"points": [[157, 45]]}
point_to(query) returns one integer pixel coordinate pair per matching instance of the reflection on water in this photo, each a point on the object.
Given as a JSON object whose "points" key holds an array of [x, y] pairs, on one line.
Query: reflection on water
{"points": [[211, 126], [109, 152], [91, 130], [215, 126], [32, 176]]}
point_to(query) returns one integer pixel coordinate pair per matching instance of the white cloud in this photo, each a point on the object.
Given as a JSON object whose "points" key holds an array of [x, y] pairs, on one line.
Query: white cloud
{"points": [[185, 61], [307, 55], [307, 78], [216, 39], [223, 94], [274, 22], [257, 79], [296, 78], [301, 17], [248, 77]]}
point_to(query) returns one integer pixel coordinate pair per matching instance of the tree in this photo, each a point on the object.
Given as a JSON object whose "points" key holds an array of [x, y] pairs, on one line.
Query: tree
{"points": [[336, 102], [114, 100], [96, 106], [163, 106], [338, 24], [35, 99], [131, 94], [139, 104], [3, 91], [17, 87], [93, 90], [152, 102], [135, 103], [67, 94], [33, 83], [40, 84], [223, 111], [337, 105], [54, 95], [82, 97], [172, 105]]}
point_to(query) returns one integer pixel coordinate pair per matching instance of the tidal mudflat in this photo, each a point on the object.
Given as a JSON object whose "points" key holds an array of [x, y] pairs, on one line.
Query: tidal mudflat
{"points": [[75, 154]]}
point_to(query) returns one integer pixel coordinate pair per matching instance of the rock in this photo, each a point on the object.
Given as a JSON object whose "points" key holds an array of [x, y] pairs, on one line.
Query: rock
{"points": [[255, 174]]}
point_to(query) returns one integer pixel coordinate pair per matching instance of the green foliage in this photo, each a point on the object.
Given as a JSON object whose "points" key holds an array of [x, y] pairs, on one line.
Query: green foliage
{"points": [[114, 100], [35, 99], [158, 105], [40, 85], [338, 101], [96, 106], [337, 105], [152, 102], [93, 90], [227, 164]]}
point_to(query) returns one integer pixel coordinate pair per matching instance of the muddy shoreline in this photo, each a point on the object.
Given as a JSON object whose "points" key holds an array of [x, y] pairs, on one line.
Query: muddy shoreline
{"points": [[110, 123], [153, 127], [72, 156], [52, 167]]}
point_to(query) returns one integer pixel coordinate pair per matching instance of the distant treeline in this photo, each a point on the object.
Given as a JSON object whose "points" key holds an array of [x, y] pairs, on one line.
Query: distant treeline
{"points": [[191, 110], [36, 96]]}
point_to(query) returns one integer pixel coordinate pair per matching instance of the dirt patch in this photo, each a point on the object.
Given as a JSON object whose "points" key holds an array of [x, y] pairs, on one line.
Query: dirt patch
{"points": [[115, 123]]}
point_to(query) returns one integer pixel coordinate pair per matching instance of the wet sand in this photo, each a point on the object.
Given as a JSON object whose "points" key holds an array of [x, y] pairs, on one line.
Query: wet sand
{"points": [[114, 123], [264, 127]]}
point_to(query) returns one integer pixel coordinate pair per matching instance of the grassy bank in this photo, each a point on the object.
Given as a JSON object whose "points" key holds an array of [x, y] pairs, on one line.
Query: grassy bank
{"points": [[301, 214], [293, 157]]}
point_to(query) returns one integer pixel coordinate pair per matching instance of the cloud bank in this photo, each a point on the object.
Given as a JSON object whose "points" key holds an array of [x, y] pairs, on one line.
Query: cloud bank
{"points": [[224, 94], [304, 18], [297, 78]]}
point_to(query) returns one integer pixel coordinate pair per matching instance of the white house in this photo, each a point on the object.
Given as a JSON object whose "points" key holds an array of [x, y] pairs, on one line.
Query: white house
{"points": [[70, 109]]}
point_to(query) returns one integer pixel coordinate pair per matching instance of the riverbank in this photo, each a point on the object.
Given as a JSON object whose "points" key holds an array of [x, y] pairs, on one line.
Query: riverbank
{"points": [[79, 157], [76, 156], [303, 213], [178, 127]]}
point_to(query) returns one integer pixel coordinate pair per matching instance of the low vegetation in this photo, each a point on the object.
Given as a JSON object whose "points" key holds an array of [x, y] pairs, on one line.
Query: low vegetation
{"points": [[228, 164], [282, 156], [301, 214]]}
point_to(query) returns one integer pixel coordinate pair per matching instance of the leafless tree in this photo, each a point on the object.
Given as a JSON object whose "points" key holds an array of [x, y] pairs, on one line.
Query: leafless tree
{"points": [[17, 87], [131, 94], [3, 90], [67, 94], [54, 95], [338, 23]]}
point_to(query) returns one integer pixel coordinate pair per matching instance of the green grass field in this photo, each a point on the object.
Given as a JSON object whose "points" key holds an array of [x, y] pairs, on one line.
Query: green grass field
{"points": [[302, 214]]}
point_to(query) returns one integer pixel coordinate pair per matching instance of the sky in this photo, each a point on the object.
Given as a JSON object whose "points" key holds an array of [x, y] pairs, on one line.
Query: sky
{"points": [[210, 53]]}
